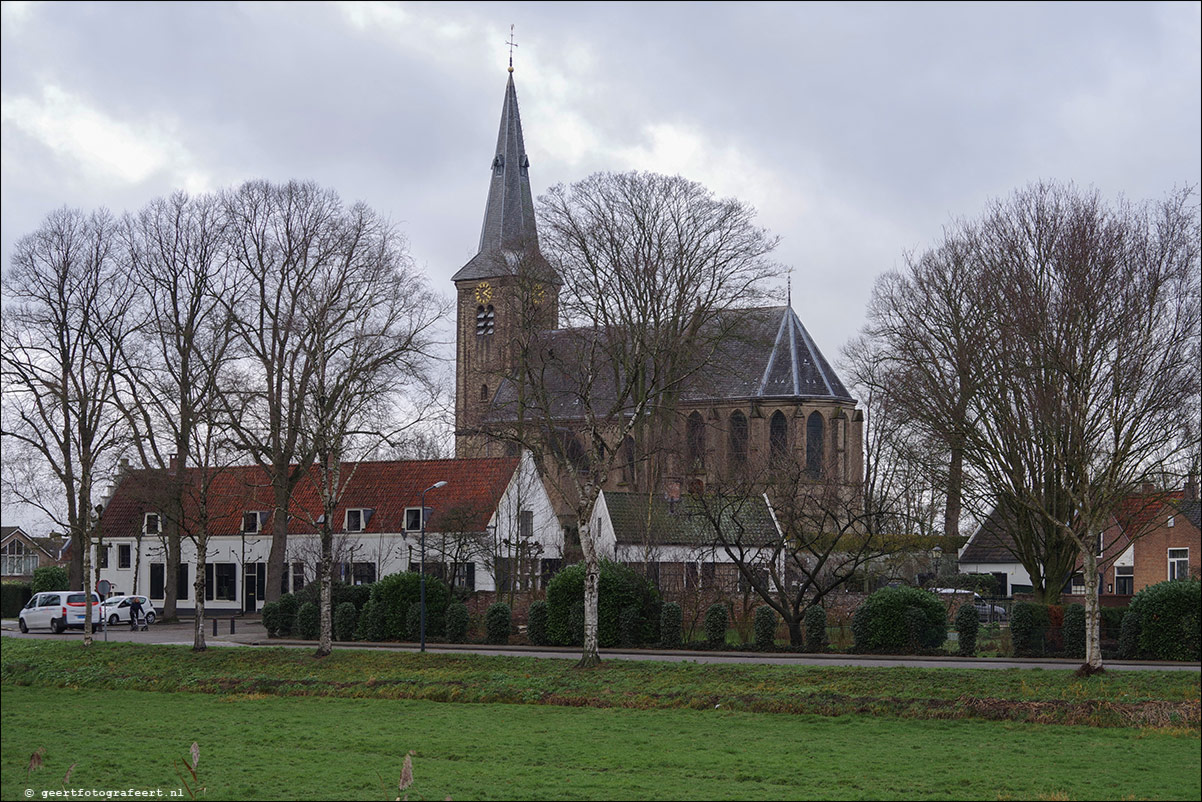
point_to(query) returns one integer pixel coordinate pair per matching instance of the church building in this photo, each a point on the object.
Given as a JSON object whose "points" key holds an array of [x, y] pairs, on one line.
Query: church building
{"points": [[767, 395]]}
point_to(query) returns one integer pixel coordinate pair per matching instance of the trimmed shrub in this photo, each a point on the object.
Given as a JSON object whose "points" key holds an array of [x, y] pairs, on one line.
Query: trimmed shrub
{"points": [[716, 623], [619, 587], [1129, 635], [967, 627], [339, 592], [765, 628], [413, 622], [457, 621], [14, 596], [308, 621], [900, 620], [398, 592], [1169, 620], [815, 621], [630, 626], [497, 623], [372, 622], [271, 618], [345, 618], [1028, 629], [670, 625], [536, 624], [49, 577], [289, 606], [1074, 631]]}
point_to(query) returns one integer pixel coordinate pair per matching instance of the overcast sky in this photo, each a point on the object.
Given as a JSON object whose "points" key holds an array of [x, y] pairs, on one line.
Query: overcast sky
{"points": [[857, 131]]}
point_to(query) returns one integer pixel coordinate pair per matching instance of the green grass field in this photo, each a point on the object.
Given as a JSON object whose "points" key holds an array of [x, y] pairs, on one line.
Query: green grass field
{"points": [[322, 748], [278, 723]]}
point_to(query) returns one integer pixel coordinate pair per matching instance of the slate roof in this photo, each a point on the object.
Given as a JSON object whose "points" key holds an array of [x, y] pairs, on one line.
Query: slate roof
{"points": [[473, 492], [639, 519], [767, 356], [1191, 511], [509, 236]]}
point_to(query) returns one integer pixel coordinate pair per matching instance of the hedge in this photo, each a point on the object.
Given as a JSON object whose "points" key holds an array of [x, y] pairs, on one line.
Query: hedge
{"points": [[536, 624], [815, 622], [1074, 631], [345, 618], [395, 594], [14, 596], [901, 620], [497, 623], [1028, 629], [716, 623], [50, 577], [620, 587], [765, 628], [967, 627], [308, 621], [457, 622], [1169, 620], [670, 625]]}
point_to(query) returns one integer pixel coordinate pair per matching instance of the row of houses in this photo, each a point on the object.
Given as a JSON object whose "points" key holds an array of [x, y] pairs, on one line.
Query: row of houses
{"points": [[1154, 536]]}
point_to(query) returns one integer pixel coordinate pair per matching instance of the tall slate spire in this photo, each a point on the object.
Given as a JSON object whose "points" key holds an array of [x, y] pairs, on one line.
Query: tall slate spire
{"points": [[509, 230]]}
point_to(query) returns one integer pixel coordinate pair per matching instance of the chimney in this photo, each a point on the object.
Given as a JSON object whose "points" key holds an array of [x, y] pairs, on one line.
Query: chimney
{"points": [[172, 464], [1147, 488], [1191, 488], [672, 493]]}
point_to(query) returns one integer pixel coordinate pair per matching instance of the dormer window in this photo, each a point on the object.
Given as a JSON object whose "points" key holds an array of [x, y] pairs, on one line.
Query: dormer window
{"points": [[413, 519], [252, 522], [356, 519], [152, 524]]}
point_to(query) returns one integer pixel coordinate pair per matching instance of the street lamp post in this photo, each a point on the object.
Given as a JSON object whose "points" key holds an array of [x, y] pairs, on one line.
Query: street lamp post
{"points": [[434, 486]]}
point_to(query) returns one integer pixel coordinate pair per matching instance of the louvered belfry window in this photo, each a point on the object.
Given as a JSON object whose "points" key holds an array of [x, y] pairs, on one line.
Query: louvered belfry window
{"points": [[486, 320]]}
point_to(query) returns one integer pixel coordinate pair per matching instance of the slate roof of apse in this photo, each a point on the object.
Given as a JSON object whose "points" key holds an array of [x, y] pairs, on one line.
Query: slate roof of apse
{"points": [[473, 492], [509, 236], [767, 356], [639, 519]]}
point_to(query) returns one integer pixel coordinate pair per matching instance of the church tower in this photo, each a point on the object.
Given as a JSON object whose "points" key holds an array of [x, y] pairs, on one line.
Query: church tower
{"points": [[507, 282]]}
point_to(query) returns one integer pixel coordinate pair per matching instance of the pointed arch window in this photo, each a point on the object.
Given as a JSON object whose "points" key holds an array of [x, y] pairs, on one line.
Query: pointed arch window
{"points": [[486, 320], [738, 441], [815, 444], [484, 393], [778, 438], [695, 442]]}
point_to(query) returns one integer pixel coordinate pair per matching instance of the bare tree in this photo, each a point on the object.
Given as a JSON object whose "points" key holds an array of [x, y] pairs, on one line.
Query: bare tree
{"points": [[309, 266], [172, 372], [647, 263], [61, 329], [1096, 360]]}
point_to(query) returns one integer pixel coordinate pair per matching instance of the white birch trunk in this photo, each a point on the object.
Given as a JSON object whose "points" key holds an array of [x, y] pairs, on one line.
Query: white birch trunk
{"points": [[198, 588], [1093, 635]]}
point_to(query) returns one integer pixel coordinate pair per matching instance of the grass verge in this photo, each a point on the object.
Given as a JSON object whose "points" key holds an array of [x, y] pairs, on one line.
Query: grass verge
{"points": [[1127, 698], [265, 747]]}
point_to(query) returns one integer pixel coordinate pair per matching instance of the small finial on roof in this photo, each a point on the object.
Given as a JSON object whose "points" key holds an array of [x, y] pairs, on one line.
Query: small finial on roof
{"points": [[789, 288], [512, 44]]}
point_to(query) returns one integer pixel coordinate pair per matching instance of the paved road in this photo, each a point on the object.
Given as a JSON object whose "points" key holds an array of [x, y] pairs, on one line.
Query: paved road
{"points": [[250, 632]]}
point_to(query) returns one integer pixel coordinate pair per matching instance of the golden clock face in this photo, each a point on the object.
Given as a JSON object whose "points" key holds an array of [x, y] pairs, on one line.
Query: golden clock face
{"points": [[483, 292], [538, 294]]}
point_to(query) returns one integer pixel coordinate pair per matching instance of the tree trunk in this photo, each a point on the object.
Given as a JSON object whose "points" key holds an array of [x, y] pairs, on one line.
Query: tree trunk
{"points": [[279, 542], [325, 644], [171, 591], [592, 581], [87, 592], [795, 636], [955, 481], [1093, 617], [198, 587]]}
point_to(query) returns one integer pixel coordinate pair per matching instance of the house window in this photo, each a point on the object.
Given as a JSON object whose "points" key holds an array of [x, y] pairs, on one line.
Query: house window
{"points": [[526, 525], [252, 522], [547, 570], [152, 524], [738, 441], [356, 520], [695, 442], [1077, 585], [1170, 521], [463, 575], [124, 555], [181, 582], [1124, 580], [19, 559], [1178, 563], [413, 519], [225, 581], [158, 580], [1101, 544], [298, 576], [102, 556], [363, 573], [815, 444], [778, 438], [514, 574]]}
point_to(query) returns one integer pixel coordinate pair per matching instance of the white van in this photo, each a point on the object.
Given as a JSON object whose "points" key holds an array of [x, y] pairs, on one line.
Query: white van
{"points": [[58, 610]]}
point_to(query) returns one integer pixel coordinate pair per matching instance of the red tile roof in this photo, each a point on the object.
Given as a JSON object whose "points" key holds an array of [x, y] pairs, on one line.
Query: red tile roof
{"points": [[472, 493]]}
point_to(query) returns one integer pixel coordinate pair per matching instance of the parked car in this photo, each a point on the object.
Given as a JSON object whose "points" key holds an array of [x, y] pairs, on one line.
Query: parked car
{"points": [[986, 611], [58, 610], [116, 609]]}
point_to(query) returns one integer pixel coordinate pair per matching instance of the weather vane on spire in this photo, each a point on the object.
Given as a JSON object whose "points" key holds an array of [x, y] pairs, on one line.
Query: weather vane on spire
{"points": [[512, 44], [789, 290]]}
